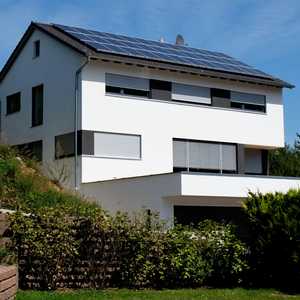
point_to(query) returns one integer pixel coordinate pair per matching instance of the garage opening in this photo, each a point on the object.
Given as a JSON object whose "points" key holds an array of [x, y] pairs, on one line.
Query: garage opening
{"points": [[192, 215]]}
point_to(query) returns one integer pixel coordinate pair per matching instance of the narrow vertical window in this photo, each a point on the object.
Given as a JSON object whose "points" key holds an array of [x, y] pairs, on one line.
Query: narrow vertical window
{"points": [[37, 105], [36, 48]]}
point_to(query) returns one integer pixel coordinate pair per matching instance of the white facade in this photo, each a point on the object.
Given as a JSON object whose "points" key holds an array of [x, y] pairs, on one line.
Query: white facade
{"points": [[55, 68], [158, 122], [147, 180]]}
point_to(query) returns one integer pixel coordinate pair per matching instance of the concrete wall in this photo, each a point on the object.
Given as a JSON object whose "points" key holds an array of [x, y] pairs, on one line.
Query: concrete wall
{"points": [[135, 194], [55, 68], [160, 121]]}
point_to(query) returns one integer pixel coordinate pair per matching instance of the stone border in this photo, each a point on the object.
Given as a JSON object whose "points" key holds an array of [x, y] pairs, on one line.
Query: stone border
{"points": [[8, 282]]}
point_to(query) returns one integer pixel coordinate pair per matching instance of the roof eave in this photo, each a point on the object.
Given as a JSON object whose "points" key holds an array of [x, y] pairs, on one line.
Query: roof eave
{"points": [[194, 70]]}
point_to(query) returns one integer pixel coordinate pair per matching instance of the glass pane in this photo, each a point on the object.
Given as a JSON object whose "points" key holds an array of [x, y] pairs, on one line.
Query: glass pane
{"points": [[180, 154], [228, 157], [127, 82], [204, 155], [117, 145]]}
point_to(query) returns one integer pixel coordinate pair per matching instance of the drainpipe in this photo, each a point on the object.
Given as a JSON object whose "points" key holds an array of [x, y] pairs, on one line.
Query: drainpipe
{"points": [[76, 120]]}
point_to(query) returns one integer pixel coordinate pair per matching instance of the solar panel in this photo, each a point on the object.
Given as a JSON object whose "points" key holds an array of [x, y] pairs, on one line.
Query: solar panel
{"points": [[152, 50]]}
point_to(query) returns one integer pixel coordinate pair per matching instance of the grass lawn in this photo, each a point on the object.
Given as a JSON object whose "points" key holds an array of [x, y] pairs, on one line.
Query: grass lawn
{"points": [[185, 294]]}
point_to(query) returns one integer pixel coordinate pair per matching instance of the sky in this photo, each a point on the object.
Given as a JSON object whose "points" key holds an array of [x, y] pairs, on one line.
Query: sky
{"points": [[264, 34]]}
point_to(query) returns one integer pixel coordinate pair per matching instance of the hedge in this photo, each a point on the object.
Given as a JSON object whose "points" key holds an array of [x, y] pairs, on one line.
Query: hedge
{"points": [[57, 248], [274, 239]]}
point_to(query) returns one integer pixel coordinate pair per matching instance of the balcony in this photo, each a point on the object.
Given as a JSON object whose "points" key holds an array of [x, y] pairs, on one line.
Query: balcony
{"points": [[233, 185]]}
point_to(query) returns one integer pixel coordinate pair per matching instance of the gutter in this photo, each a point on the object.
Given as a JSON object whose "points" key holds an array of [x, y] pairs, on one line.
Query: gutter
{"points": [[78, 72]]}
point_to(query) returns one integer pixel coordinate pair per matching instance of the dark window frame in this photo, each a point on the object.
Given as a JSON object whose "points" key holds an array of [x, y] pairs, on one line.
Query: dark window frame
{"points": [[9, 105], [37, 117], [36, 48]]}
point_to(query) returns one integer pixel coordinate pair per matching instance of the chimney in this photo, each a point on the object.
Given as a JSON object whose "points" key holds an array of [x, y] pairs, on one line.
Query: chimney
{"points": [[179, 40]]}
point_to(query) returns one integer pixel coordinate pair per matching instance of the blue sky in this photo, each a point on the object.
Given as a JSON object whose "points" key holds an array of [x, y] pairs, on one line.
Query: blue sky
{"points": [[265, 34]]}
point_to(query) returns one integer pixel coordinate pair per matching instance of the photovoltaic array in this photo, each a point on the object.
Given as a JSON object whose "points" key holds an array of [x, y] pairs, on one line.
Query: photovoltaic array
{"points": [[158, 51]]}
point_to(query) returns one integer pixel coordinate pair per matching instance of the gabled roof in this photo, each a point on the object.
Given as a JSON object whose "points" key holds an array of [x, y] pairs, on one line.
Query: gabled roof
{"points": [[104, 45]]}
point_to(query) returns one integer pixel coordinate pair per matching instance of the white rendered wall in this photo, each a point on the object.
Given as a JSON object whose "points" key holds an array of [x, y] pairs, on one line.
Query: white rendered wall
{"points": [[159, 121], [55, 68], [234, 186], [161, 192], [134, 194]]}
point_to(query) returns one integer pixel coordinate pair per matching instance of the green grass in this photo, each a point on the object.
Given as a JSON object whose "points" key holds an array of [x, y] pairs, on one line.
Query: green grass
{"points": [[184, 294]]}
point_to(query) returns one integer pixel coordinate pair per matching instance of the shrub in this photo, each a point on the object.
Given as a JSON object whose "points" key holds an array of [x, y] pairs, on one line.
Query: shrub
{"points": [[225, 253], [274, 223], [58, 247]]}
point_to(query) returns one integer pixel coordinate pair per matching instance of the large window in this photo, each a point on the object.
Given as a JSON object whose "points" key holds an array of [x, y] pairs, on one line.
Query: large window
{"points": [[13, 103], [126, 85], [113, 145], [199, 156], [248, 101], [238, 100], [37, 105]]}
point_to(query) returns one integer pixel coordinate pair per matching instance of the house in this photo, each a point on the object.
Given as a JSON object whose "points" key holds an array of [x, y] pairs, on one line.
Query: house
{"points": [[182, 131]]}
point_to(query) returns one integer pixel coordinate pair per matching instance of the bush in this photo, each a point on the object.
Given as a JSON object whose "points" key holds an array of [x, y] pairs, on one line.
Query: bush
{"points": [[60, 248], [274, 224]]}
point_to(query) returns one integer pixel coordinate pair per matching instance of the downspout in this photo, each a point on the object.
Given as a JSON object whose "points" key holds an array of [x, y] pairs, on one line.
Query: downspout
{"points": [[76, 121]]}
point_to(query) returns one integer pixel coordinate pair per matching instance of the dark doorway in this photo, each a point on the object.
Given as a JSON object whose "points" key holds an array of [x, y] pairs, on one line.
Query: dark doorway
{"points": [[192, 215]]}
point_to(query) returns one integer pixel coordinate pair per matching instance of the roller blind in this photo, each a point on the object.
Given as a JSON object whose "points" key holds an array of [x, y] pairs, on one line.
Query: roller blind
{"points": [[247, 98], [128, 82], [190, 93], [117, 145], [204, 155], [180, 154], [228, 157]]}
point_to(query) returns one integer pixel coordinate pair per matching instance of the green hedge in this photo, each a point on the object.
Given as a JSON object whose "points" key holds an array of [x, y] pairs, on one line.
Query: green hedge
{"points": [[274, 239], [58, 248]]}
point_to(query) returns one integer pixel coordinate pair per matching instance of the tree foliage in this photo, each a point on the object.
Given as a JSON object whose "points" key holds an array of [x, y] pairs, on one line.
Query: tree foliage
{"points": [[286, 161]]}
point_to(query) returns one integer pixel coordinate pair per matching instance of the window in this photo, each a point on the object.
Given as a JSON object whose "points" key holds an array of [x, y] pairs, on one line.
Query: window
{"points": [[114, 145], [37, 105], [33, 149], [220, 98], [126, 85], [248, 101], [253, 161], [190, 93], [161, 90], [238, 100], [204, 156], [36, 49], [13, 103], [64, 145]]}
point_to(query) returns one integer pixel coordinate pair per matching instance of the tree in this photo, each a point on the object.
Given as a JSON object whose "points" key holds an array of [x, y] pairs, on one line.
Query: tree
{"points": [[286, 161]]}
